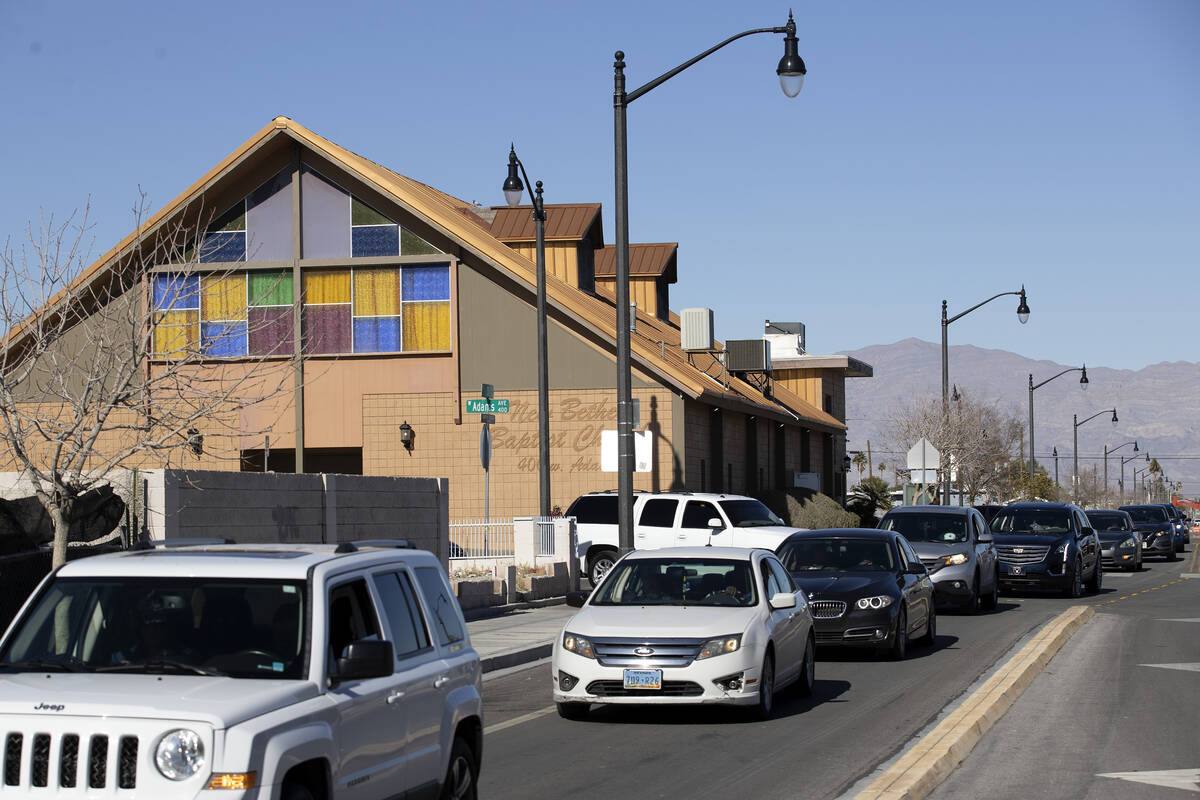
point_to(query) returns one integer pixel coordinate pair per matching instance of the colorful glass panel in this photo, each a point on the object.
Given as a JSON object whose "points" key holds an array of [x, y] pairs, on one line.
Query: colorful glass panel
{"points": [[374, 240], [363, 214], [327, 286], [223, 297], [176, 292], [270, 331], [176, 333], [272, 288], [324, 217], [222, 246], [376, 292], [376, 334], [223, 339], [426, 283], [413, 245], [327, 329], [426, 326], [269, 219]]}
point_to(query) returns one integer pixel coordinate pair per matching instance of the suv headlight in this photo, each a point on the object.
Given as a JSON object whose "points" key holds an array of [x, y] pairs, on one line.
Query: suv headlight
{"points": [[718, 647], [874, 603], [578, 645], [954, 559], [179, 755], [1128, 544]]}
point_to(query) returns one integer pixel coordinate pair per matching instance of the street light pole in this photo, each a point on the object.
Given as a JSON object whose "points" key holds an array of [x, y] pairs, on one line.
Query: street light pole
{"points": [[1075, 445], [1022, 316], [1106, 454], [513, 191], [791, 72], [1125, 461], [1083, 384]]}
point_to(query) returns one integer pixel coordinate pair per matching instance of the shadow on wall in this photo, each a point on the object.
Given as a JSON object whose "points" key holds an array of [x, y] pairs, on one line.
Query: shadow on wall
{"points": [[285, 520], [655, 428]]}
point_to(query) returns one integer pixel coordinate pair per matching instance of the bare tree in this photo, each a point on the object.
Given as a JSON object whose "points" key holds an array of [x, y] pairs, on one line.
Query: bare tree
{"points": [[101, 370]]}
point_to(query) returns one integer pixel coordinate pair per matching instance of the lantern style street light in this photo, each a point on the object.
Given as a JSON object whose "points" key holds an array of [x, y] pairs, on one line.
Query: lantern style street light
{"points": [[1115, 449], [791, 72], [1022, 317], [1075, 434], [514, 189], [1083, 384]]}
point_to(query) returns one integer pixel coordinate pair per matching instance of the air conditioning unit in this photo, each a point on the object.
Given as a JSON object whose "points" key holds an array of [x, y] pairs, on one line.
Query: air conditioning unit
{"points": [[696, 329], [748, 355]]}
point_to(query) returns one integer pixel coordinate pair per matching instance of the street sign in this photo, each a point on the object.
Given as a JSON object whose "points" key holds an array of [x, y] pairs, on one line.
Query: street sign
{"points": [[485, 447], [923, 455], [487, 419], [487, 406], [488, 391]]}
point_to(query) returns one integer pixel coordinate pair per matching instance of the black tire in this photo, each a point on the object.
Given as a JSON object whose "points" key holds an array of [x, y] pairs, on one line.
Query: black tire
{"points": [[600, 564], [899, 649], [462, 773], [574, 711], [1075, 590], [292, 790], [1095, 582], [766, 689], [930, 636], [971, 606], [991, 600], [808, 670], [1174, 554]]}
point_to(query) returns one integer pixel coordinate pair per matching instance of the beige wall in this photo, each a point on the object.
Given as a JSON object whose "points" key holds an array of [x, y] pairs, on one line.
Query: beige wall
{"points": [[562, 258]]}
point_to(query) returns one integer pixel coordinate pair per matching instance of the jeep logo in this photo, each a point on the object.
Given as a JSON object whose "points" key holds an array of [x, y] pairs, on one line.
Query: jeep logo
{"points": [[49, 707]]}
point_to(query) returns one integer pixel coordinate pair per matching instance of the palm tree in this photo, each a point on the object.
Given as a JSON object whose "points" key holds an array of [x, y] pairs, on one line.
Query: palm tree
{"points": [[860, 463]]}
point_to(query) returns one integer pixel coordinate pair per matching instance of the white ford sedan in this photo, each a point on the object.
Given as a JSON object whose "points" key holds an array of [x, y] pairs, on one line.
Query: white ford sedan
{"points": [[686, 625]]}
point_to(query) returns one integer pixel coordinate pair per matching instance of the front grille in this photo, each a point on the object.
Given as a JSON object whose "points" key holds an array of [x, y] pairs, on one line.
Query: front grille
{"points": [[1022, 553], [47, 768], [829, 637], [669, 689], [621, 652], [827, 609]]}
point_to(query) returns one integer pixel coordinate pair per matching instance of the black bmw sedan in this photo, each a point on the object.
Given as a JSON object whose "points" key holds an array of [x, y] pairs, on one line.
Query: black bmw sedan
{"points": [[866, 588]]}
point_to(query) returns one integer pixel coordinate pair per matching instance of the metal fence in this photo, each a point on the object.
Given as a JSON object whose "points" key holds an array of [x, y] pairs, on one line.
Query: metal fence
{"points": [[545, 528], [477, 538]]}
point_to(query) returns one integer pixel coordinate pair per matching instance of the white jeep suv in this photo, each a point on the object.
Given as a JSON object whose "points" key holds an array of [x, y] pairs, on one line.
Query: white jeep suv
{"points": [[278, 671], [672, 519]]}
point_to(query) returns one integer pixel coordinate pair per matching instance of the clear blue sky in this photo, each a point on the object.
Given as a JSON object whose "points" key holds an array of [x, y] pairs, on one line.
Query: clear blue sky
{"points": [[939, 149]]}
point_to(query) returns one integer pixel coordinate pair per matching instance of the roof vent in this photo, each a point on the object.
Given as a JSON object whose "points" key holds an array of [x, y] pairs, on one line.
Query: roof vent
{"points": [[748, 355], [696, 329]]}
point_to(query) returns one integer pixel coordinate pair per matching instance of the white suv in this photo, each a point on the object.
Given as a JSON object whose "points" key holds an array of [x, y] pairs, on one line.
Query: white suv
{"points": [[288, 672], [672, 519]]}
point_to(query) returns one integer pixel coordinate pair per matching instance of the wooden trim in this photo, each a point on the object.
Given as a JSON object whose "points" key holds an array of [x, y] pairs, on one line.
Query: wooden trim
{"points": [[297, 314], [455, 349]]}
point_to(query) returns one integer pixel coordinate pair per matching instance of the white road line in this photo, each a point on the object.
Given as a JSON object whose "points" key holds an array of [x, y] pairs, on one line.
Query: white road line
{"points": [[1193, 619], [508, 723], [1108, 574], [1186, 779], [1183, 667]]}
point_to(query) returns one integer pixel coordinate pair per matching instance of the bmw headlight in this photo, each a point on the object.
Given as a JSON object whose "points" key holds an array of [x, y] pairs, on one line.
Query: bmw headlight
{"points": [[719, 647], [180, 754], [578, 645], [1128, 544], [874, 603]]}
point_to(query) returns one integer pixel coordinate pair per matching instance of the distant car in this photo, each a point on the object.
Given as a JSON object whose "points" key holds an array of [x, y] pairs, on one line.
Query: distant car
{"points": [[1183, 531], [955, 545], [1047, 546], [866, 588], [686, 626], [1157, 529], [1120, 543]]}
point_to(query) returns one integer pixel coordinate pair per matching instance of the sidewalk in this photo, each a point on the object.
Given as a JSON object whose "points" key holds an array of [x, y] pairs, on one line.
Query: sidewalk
{"points": [[510, 636]]}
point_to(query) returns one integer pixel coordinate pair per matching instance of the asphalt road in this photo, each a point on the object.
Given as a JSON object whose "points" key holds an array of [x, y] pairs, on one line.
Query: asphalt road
{"points": [[862, 713], [1122, 696]]}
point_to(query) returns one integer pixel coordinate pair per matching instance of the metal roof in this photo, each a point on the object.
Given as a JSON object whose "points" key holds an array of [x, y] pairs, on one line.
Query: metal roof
{"points": [[569, 221], [644, 259]]}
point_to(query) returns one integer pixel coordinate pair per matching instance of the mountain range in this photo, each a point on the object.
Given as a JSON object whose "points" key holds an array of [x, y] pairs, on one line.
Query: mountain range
{"points": [[1158, 406]]}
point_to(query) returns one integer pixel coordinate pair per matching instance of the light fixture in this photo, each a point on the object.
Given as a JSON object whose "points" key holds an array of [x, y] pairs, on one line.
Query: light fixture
{"points": [[407, 435], [513, 187], [1055, 453], [195, 441], [1114, 419], [1135, 445], [1023, 308], [791, 69], [1083, 381], [845, 463]]}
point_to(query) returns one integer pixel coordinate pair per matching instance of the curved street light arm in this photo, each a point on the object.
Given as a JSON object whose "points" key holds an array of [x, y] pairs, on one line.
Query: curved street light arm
{"points": [[1059, 375], [539, 211], [1098, 413], [1118, 447], [984, 303], [666, 76]]}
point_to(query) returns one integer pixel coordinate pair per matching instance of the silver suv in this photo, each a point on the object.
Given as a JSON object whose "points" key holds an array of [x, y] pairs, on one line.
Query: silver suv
{"points": [[672, 519], [288, 672]]}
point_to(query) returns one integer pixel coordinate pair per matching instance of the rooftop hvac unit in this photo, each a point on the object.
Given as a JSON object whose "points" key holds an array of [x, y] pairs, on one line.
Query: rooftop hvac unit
{"points": [[748, 355], [696, 329]]}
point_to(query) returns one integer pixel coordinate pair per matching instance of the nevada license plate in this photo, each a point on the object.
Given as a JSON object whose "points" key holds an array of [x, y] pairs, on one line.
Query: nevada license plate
{"points": [[1016, 570], [643, 679]]}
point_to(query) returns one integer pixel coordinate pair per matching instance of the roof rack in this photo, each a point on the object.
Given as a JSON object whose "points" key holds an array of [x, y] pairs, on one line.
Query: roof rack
{"points": [[153, 544], [354, 547]]}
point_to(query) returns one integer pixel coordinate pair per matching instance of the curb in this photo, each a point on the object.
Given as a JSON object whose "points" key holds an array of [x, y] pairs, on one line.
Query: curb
{"points": [[931, 760], [516, 657], [488, 612]]}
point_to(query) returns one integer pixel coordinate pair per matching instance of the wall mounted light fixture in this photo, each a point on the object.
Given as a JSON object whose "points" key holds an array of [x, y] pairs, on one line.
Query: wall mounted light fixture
{"points": [[407, 436]]}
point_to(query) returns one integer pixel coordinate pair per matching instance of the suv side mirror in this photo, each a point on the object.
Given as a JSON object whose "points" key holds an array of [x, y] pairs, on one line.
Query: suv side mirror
{"points": [[985, 537], [577, 599], [916, 569], [715, 524], [366, 658], [1086, 532]]}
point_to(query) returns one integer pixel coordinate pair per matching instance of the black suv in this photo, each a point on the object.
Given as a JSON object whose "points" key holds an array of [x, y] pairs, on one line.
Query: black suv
{"points": [[1047, 546]]}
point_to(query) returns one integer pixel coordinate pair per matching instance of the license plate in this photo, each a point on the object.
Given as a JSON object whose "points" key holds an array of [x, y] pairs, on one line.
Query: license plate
{"points": [[643, 679], [1016, 570]]}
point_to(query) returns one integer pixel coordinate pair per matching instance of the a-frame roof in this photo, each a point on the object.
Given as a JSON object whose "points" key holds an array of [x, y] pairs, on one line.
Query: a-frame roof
{"points": [[654, 346]]}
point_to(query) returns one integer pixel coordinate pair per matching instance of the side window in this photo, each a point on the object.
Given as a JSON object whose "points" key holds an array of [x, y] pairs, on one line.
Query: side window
{"points": [[980, 525], [444, 611], [770, 585], [911, 554], [595, 509], [903, 555], [408, 634], [781, 575], [697, 513], [659, 513], [351, 616]]}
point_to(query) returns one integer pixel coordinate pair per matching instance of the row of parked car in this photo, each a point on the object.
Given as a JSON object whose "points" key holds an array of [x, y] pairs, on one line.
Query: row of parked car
{"points": [[721, 602]]}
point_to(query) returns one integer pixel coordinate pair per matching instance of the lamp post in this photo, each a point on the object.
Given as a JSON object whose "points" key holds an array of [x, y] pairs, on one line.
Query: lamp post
{"points": [[1075, 445], [1115, 449], [1022, 316], [1056, 484], [513, 191], [791, 72], [1083, 384], [1135, 477], [1125, 461]]}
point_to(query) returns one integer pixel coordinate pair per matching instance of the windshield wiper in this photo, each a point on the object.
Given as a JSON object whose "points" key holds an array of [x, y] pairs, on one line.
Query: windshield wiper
{"points": [[164, 664], [40, 665]]}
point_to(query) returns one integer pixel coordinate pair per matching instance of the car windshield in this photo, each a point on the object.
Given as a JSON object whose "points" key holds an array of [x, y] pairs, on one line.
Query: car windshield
{"points": [[678, 582], [183, 626], [749, 514], [947, 528], [1032, 520], [1150, 514], [836, 555], [1108, 522]]}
